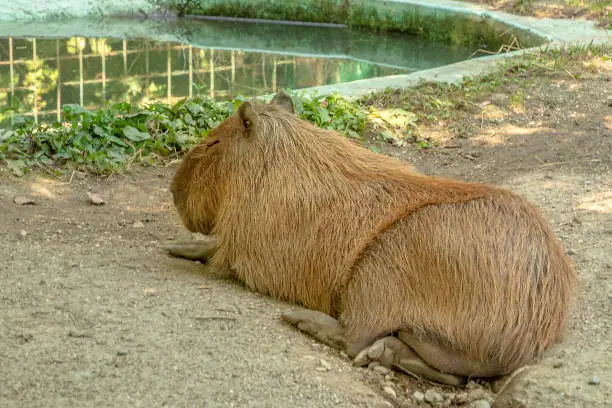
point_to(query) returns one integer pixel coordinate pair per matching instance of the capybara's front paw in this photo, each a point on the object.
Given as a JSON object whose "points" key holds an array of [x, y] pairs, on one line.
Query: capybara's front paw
{"points": [[322, 327], [199, 250]]}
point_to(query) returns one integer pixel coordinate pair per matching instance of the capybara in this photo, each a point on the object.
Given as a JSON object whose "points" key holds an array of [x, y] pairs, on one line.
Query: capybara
{"points": [[439, 278]]}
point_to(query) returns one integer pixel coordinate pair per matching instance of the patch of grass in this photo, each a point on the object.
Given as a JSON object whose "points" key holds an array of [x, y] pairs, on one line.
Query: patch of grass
{"points": [[440, 103], [598, 10], [112, 139]]}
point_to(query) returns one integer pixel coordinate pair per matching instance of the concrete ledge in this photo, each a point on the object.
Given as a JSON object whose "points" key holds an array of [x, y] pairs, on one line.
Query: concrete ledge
{"points": [[28, 10]]}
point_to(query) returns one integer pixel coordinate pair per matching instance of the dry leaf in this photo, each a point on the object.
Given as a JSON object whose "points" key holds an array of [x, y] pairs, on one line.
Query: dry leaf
{"points": [[21, 200], [95, 199]]}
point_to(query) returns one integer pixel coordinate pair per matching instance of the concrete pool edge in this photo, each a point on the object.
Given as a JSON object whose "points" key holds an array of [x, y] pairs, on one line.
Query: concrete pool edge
{"points": [[451, 74], [559, 33]]}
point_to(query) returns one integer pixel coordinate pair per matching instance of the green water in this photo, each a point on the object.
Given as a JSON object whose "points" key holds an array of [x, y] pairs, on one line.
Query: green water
{"points": [[219, 59], [43, 74]]}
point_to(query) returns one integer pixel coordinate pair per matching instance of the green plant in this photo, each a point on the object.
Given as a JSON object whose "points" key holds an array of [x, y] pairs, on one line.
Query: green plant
{"points": [[111, 139], [333, 112]]}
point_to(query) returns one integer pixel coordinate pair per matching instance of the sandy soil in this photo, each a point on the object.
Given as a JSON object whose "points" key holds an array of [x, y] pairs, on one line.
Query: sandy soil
{"points": [[92, 313], [599, 10]]}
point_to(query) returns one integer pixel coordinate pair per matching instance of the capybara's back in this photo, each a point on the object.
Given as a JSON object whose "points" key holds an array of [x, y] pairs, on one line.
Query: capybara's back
{"points": [[433, 276]]}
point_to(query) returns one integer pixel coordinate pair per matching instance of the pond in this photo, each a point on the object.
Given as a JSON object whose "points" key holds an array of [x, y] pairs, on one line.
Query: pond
{"points": [[221, 59]]}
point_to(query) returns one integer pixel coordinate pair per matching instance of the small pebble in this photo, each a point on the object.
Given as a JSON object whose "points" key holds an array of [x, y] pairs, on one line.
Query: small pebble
{"points": [[138, 224], [418, 396], [477, 394], [23, 233], [122, 353], [433, 397], [389, 392], [461, 398], [594, 381], [381, 369], [471, 385], [325, 364], [95, 199], [558, 364], [481, 404], [20, 200]]}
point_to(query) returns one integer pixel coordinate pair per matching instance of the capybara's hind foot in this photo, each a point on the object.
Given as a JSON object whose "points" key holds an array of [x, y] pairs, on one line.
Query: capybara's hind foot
{"points": [[391, 352], [322, 327], [198, 250]]}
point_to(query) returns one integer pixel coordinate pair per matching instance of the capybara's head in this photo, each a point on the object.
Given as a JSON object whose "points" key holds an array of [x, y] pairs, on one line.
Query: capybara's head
{"points": [[205, 176]]}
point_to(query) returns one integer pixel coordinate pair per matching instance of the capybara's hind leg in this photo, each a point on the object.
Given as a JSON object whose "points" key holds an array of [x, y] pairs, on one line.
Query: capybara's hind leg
{"points": [[322, 327], [391, 352], [446, 360], [198, 250]]}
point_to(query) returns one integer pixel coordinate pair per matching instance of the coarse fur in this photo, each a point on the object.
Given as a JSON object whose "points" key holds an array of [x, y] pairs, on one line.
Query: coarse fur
{"points": [[305, 215]]}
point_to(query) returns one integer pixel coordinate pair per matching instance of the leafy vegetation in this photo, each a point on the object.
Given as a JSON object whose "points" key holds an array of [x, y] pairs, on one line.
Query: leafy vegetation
{"points": [[111, 139]]}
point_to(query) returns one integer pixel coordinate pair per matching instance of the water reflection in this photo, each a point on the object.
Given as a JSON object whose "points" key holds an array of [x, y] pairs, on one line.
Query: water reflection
{"points": [[40, 75]]}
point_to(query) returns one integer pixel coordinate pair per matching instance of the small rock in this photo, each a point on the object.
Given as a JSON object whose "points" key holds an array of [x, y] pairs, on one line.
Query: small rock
{"points": [[138, 224], [95, 199], [477, 394], [23, 233], [122, 352], [418, 396], [325, 365], [433, 397], [461, 398], [570, 251], [471, 385], [481, 404], [150, 291], [381, 369], [594, 381], [21, 200], [389, 392], [558, 364], [78, 335]]}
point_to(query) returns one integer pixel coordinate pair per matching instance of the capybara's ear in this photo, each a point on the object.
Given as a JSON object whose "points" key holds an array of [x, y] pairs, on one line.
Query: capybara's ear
{"points": [[249, 118], [283, 99]]}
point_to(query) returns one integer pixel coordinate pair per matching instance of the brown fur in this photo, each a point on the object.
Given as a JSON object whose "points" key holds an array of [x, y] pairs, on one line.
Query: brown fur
{"points": [[305, 215]]}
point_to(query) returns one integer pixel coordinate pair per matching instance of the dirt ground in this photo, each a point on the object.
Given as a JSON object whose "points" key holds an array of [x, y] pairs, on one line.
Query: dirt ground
{"points": [[92, 313], [599, 10]]}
